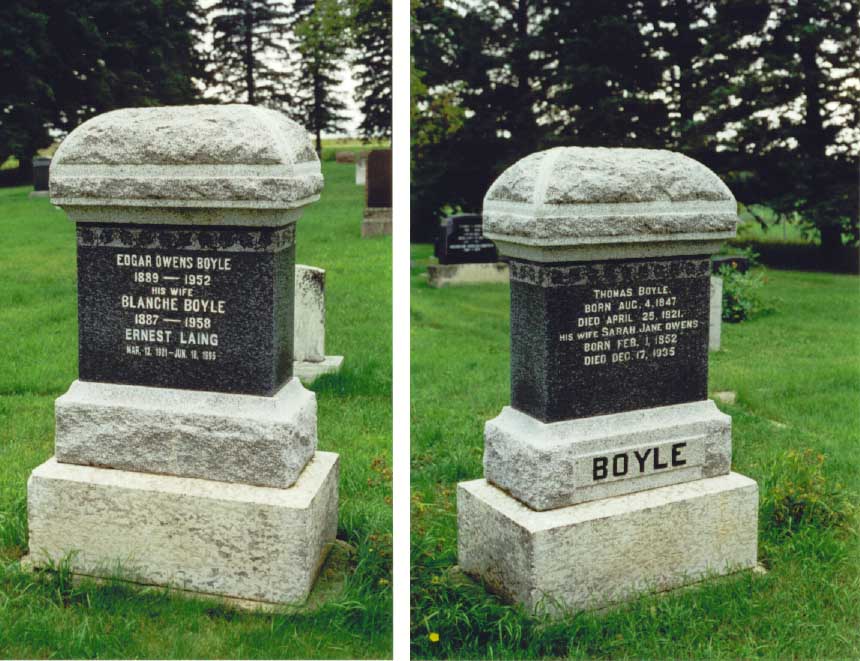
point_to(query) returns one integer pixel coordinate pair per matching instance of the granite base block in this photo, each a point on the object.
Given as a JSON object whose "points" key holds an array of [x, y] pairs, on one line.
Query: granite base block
{"points": [[232, 540], [309, 371], [249, 439], [607, 551], [376, 222], [440, 275], [551, 465]]}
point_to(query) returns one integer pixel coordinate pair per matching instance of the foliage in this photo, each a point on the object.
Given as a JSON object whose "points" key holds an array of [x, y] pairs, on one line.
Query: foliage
{"points": [[322, 48], [249, 57], [791, 140], [763, 93], [372, 65], [802, 495], [62, 63], [742, 298]]}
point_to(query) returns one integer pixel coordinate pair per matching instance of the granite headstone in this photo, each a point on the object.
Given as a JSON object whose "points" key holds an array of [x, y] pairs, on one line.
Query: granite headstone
{"points": [[609, 429], [186, 233], [461, 241], [377, 217]]}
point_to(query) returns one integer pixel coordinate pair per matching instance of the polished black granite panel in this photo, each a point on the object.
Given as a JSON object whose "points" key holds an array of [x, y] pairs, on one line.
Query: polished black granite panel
{"points": [[595, 338], [461, 241], [202, 309]]}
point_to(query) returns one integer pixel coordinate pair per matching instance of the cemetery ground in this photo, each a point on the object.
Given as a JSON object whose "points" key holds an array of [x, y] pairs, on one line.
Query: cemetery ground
{"points": [[796, 428], [46, 614]]}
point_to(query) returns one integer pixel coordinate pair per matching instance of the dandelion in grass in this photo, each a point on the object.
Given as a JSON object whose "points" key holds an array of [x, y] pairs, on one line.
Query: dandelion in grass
{"points": [[434, 637]]}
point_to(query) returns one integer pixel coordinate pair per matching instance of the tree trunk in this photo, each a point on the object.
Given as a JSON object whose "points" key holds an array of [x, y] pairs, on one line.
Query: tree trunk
{"points": [[249, 54], [831, 241]]}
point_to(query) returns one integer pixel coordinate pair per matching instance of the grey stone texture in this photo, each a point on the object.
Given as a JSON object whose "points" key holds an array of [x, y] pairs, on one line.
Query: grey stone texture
{"points": [[442, 275], [716, 314], [571, 203], [603, 552], [233, 540], [309, 334], [361, 170], [547, 466], [248, 439], [376, 222], [309, 359], [211, 156], [309, 372]]}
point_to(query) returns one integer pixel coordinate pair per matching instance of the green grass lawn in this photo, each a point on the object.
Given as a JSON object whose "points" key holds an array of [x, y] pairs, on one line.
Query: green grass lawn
{"points": [[42, 615], [796, 372]]}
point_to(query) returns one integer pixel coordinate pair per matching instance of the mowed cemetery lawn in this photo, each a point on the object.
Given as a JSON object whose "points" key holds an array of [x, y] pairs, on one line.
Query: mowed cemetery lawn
{"points": [[45, 615], [796, 372]]}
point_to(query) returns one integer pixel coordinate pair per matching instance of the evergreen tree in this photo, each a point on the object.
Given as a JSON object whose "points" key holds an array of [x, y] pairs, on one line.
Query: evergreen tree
{"points": [[70, 61], [321, 45], [605, 75], [372, 26], [25, 95], [795, 147], [526, 75], [250, 53]]}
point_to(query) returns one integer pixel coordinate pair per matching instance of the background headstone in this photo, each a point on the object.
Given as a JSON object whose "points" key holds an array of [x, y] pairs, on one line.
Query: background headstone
{"points": [[716, 315], [377, 212], [309, 359], [461, 240], [41, 178], [465, 255], [609, 434], [361, 169], [379, 179], [186, 236], [344, 157]]}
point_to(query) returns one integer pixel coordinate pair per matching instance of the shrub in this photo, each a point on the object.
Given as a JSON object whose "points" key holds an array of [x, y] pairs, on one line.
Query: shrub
{"points": [[742, 294], [801, 495]]}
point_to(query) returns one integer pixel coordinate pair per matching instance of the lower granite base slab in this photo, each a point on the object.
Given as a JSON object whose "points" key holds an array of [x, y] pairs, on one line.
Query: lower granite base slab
{"points": [[376, 222], [232, 540], [440, 275], [603, 552], [307, 372]]}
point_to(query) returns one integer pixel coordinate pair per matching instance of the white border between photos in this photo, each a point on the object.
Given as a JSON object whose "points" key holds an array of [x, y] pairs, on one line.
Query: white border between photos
{"points": [[400, 324]]}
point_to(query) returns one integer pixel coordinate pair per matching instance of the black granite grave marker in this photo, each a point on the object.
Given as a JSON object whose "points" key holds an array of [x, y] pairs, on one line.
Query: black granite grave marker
{"points": [[461, 241], [378, 178], [593, 338], [202, 309], [41, 169]]}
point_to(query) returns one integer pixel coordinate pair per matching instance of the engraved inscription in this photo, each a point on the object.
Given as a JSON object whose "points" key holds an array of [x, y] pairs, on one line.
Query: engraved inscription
{"points": [[205, 310], [605, 337], [634, 462], [620, 325], [168, 308]]}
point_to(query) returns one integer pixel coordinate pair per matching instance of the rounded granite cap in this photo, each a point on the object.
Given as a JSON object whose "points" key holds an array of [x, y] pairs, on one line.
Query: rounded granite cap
{"points": [[572, 203], [204, 156]]}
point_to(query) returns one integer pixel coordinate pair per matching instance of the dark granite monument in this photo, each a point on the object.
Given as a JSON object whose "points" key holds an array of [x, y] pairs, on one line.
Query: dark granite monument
{"points": [[465, 255], [608, 336], [41, 176], [206, 309], [610, 473], [461, 241], [378, 192]]}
